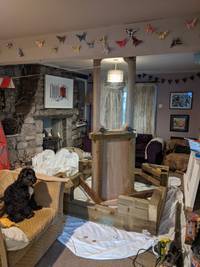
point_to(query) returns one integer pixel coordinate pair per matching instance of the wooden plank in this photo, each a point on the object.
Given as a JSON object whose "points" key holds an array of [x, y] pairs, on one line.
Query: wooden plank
{"points": [[112, 135], [143, 194], [89, 191], [149, 168], [133, 211], [136, 202], [97, 151], [156, 205], [149, 178], [117, 168], [109, 216]]}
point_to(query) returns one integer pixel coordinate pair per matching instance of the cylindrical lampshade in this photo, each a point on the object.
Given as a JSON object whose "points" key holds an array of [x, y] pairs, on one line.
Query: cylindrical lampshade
{"points": [[115, 76]]}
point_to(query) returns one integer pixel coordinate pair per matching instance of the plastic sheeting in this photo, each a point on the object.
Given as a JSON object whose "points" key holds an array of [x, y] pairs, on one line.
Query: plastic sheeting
{"points": [[49, 163], [101, 242]]}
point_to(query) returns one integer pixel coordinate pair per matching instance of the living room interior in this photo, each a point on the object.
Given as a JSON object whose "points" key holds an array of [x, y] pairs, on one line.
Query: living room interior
{"points": [[106, 114]]}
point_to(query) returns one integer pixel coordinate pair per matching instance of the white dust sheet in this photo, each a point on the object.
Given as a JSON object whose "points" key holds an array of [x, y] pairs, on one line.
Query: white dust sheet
{"points": [[101, 242]]}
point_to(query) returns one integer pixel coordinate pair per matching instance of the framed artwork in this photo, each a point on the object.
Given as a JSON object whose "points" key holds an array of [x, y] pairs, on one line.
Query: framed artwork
{"points": [[58, 92], [181, 100], [179, 123]]}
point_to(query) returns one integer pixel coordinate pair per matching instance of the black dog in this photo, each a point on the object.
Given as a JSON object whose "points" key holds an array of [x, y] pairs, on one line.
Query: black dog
{"points": [[18, 198]]}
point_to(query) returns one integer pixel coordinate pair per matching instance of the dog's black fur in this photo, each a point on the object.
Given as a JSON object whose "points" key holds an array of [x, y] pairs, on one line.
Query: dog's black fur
{"points": [[19, 204]]}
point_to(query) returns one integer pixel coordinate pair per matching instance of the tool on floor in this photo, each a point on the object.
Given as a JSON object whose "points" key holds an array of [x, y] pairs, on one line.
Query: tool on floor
{"points": [[161, 248]]}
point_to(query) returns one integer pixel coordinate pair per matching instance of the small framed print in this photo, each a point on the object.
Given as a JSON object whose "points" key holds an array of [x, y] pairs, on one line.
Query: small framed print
{"points": [[179, 123], [58, 92], [181, 100]]}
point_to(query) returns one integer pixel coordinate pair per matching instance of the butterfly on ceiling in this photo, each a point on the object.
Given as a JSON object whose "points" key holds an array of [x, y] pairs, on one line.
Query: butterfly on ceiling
{"points": [[9, 45], [40, 43], [55, 49], [122, 43], [76, 48], [61, 38], [106, 48], [90, 44], [102, 39], [82, 37], [162, 35], [175, 42], [150, 29], [131, 32], [136, 41], [20, 52], [190, 24]]}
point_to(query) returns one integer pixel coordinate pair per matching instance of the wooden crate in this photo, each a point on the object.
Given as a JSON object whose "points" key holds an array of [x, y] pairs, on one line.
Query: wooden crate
{"points": [[155, 174], [133, 213]]}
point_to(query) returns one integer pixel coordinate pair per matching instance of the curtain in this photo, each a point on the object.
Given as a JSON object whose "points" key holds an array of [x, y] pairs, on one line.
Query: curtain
{"points": [[111, 105], [145, 108]]}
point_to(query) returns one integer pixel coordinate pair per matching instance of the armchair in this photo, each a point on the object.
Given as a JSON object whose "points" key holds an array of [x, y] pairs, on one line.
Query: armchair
{"points": [[42, 229]]}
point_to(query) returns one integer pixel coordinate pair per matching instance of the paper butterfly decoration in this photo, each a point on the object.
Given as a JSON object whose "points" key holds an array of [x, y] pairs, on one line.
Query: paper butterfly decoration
{"points": [[190, 24], [91, 44], [82, 37], [131, 32], [20, 52], [55, 49], [122, 43], [106, 49], [102, 39], [150, 29], [175, 42], [136, 41], [162, 35], [9, 45], [61, 39], [76, 48], [40, 43]]}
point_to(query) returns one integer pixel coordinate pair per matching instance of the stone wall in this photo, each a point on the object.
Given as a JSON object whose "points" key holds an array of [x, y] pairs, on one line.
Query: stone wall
{"points": [[26, 103]]}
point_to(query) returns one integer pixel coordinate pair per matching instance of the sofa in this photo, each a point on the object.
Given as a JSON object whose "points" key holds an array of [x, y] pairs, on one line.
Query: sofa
{"points": [[42, 229]]}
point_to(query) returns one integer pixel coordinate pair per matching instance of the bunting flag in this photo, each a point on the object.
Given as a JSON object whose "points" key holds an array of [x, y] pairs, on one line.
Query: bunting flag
{"points": [[156, 79], [6, 82]]}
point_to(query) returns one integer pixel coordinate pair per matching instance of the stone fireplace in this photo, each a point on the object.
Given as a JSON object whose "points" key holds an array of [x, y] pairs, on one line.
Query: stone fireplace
{"points": [[25, 104]]}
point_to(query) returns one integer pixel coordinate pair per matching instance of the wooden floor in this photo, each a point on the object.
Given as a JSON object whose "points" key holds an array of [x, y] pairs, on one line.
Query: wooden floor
{"points": [[60, 256]]}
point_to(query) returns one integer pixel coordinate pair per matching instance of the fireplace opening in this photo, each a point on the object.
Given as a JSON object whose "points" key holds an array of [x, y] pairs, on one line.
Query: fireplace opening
{"points": [[54, 137]]}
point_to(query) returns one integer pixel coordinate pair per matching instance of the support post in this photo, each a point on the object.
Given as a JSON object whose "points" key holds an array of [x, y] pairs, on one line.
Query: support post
{"points": [[96, 146], [96, 94], [131, 61]]}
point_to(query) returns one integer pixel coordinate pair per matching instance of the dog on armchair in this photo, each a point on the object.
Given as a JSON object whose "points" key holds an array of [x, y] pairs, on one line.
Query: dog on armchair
{"points": [[19, 197]]}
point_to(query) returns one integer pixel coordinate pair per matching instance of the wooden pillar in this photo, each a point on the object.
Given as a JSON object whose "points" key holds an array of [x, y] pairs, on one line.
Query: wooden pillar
{"points": [[96, 94], [131, 61], [96, 146]]}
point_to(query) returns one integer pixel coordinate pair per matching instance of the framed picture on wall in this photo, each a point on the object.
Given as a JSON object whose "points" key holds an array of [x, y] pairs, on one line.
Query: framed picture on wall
{"points": [[58, 92], [179, 123], [181, 100]]}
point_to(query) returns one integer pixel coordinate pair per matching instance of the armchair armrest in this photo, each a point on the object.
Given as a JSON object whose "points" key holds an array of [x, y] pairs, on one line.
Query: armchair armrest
{"points": [[50, 194], [3, 251]]}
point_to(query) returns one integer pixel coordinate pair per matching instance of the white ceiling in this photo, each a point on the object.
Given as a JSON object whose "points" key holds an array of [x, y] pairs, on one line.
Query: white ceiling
{"points": [[20, 18], [169, 63]]}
